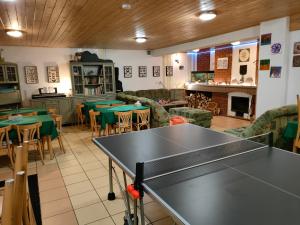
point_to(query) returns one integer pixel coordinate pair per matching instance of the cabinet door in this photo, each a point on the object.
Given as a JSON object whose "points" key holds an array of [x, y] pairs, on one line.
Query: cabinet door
{"points": [[2, 74], [77, 75], [11, 74], [65, 108], [53, 104], [37, 104], [109, 78]]}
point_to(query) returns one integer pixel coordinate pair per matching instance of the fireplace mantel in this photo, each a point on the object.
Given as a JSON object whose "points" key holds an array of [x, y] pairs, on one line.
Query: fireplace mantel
{"points": [[221, 88]]}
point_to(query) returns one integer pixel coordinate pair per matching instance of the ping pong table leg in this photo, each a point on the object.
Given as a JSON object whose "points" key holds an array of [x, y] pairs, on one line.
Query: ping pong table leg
{"points": [[142, 211], [111, 195]]}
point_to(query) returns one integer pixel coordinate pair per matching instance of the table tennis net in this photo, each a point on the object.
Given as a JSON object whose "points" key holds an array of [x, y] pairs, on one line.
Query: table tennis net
{"points": [[178, 162]]}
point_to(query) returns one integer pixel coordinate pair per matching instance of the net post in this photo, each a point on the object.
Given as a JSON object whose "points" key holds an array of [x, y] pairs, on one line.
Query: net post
{"points": [[271, 138], [139, 178]]}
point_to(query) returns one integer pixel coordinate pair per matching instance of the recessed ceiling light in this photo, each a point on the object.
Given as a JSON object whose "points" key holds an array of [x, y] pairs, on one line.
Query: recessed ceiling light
{"points": [[196, 50], [206, 16], [7, 0], [235, 43], [140, 39], [126, 6], [14, 33]]}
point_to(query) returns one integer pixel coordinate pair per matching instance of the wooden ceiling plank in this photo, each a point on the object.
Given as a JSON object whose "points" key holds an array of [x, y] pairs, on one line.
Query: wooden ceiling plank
{"points": [[30, 8], [40, 7]]}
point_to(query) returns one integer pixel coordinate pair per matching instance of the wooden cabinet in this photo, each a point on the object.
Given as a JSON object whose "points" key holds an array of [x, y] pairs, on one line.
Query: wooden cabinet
{"points": [[9, 84], [93, 78], [63, 106]]}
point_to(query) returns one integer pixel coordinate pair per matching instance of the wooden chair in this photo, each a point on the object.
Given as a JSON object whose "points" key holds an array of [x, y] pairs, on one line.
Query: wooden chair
{"points": [[296, 145], [114, 105], [6, 148], [142, 119], [58, 124], [95, 128], [34, 137], [124, 122], [5, 117], [102, 106], [51, 111], [29, 114], [80, 118]]}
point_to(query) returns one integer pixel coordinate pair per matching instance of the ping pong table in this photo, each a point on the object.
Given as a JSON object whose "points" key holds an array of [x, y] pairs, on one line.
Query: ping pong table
{"points": [[206, 177]]}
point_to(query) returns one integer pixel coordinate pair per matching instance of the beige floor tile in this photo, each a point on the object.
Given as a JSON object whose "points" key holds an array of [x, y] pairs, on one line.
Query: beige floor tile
{"points": [[75, 178], [154, 212], [53, 194], [69, 163], [91, 213], [56, 207], [84, 199], [49, 175], [100, 172], [46, 169], [103, 191], [106, 221], [71, 170], [45, 185], [119, 218], [114, 207], [100, 181], [92, 166], [67, 218], [65, 157], [165, 221], [79, 188]]}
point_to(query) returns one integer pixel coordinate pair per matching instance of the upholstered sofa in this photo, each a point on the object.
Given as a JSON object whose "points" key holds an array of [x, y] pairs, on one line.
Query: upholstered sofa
{"points": [[159, 116], [274, 120]]}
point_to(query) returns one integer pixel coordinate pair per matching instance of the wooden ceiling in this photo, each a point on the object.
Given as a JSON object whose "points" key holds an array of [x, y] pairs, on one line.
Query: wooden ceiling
{"points": [[104, 24]]}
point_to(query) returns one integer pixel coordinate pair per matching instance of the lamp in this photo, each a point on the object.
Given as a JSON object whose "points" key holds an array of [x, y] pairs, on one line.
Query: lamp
{"points": [[14, 33]]}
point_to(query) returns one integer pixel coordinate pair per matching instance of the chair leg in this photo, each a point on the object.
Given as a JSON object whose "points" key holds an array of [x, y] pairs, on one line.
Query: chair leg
{"points": [[39, 148], [11, 155], [61, 145]]}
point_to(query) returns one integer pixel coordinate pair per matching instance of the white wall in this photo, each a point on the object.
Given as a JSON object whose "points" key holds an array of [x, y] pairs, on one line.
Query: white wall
{"points": [[251, 65], [43, 57], [271, 92], [294, 72]]}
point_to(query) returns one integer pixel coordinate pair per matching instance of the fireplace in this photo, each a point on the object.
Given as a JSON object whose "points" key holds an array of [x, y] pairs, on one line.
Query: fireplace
{"points": [[239, 104]]}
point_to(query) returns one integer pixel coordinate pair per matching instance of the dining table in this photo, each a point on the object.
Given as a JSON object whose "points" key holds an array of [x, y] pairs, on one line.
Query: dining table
{"points": [[107, 115], [92, 105], [40, 111], [47, 130]]}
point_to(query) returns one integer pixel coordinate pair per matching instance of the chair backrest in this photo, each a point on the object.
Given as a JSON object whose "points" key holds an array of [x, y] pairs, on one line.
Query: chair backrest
{"points": [[143, 116], [78, 109], [117, 104], [51, 111], [93, 119], [102, 106], [33, 131], [5, 117], [8, 199], [21, 161], [4, 138], [58, 121], [30, 114], [124, 119]]}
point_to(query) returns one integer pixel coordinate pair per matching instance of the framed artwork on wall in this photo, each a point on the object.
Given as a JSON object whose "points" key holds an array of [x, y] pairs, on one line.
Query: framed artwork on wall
{"points": [[276, 48], [156, 71], [296, 61], [264, 64], [53, 74], [127, 71], [142, 71], [222, 63], [297, 48], [31, 75], [265, 39], [275, 72], [169, 71]]}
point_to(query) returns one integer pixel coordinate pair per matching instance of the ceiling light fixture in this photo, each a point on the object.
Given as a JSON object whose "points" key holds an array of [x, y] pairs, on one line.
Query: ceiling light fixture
{"points": [[126, 6], [14, 33], [196, 50], [140, 39], [208, 15], [235, 43]]}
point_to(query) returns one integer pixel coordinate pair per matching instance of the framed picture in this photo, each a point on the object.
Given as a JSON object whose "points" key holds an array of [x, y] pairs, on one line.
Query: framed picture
{"points": [[265, 39], [156, 71], [222, 63], [297, 48], [276, 48], [169, 71], [244, 55], [264, 64], [53, 74], [142, 71], [31, 75], [127, 71], [296, 61], [275, 72]]}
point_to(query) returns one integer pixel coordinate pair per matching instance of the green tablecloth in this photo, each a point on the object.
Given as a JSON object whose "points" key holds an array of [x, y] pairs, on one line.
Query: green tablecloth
{"points": [[47, 128], [40, 111], [290, 131], [92, 105], [107, 115]]}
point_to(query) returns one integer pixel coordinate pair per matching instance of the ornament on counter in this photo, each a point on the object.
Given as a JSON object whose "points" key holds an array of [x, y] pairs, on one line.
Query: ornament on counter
{"points": [[296, 61], [142, 71], [275, 72], [244, 55], [127, 71], [276, 48], [264, 64], [265, 39]]}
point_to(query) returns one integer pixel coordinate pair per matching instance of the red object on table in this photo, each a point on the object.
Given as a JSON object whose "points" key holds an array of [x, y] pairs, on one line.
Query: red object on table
{"points": [[175, 120]]}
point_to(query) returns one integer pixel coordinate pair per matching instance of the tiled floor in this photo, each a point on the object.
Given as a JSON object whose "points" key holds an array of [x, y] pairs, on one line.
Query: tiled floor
{"points": [[74, 186]]}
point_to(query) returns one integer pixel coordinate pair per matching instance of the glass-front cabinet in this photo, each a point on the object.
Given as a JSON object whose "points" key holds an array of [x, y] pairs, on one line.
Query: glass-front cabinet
{"points": [[92, 78]]}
